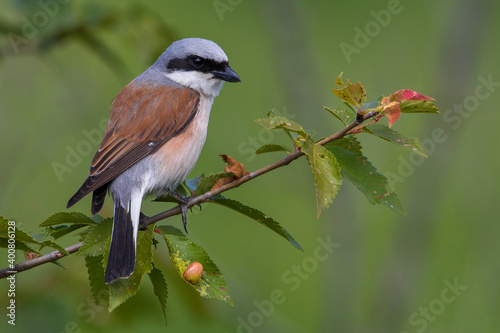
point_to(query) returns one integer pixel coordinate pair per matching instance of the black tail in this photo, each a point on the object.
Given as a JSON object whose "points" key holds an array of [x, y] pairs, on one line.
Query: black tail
{"points": [[121, 260]]}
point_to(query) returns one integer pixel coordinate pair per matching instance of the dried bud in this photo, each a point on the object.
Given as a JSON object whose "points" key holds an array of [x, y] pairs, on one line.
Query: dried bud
{"points": [[30, 255], [193, 272]]}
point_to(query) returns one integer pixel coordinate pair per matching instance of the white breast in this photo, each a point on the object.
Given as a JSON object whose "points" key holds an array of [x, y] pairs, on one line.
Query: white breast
{"points": [[171, 164]]}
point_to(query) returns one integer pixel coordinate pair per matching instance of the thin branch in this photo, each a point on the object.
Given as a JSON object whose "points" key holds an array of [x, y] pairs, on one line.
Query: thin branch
{"points": [[56, 255], [29, 264], [285, 161]]}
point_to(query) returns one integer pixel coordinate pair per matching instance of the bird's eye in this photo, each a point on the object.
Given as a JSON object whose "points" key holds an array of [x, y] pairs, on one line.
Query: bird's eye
{"points": [[197, 62]]}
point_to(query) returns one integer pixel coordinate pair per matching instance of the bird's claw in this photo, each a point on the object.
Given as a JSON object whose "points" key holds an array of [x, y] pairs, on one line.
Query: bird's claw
{"points": [[183, 206], [142, 221]]}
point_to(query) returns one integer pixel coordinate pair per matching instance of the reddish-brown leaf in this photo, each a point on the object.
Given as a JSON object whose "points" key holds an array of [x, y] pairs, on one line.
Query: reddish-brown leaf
{"points": [[392, 112], [232, 165]]}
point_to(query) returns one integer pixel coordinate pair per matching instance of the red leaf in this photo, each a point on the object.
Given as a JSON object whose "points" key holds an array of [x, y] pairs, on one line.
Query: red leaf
{"points": [[392, 112], [407, 94]]}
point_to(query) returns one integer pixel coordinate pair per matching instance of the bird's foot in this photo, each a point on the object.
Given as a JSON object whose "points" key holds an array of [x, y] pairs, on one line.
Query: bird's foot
{"points": [[183, 201], [142, 222], [192, 196]]}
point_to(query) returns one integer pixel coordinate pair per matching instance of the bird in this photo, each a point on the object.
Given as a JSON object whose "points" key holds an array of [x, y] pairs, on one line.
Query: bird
{"points": [[155, 133]]}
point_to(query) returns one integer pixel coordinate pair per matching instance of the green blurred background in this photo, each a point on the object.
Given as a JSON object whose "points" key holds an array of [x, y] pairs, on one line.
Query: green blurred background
{"points": [[435, 271]]}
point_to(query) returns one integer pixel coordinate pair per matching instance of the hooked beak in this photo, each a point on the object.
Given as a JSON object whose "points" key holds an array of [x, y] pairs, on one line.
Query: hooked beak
{"points": [[228, 75]]}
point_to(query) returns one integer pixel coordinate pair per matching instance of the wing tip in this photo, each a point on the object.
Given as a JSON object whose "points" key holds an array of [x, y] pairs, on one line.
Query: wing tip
{"points": [[81, 193], [74, 199]]}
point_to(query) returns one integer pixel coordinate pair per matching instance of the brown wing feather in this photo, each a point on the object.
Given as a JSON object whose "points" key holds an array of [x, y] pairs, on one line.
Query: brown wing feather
{"points": [[143, 118]]}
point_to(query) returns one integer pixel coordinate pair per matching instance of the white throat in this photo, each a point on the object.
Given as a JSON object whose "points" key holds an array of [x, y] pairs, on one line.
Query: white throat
{"points": [[204, 83]]}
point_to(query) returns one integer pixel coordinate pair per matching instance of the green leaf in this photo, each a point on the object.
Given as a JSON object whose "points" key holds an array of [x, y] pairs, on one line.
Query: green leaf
{"points": [[5, 236], [326, 172], [21, 235], [349, 143], [3, 222], [183, 252], [358, 170], [280, 122], [62, 230], [97, 218], [21, 243], [350, 107], [95, 240], [371, 106], [123, 289], [270, 149], [208, 182], [25, 236], [100, 291], [47, 240], [181, 190], [345, 116], [257, 216], [57, 263], [418, 106], [20, 246], [67, 218], [198, 185], [159, 288], [384, 132], [391, 200]]}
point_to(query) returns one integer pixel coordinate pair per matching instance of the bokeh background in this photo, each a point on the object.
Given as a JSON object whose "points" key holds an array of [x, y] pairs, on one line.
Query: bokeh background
{"points": [[435, 271]]}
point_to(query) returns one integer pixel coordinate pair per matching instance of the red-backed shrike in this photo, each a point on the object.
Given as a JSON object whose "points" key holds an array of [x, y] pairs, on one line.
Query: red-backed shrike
{"points": [[156, 130]]}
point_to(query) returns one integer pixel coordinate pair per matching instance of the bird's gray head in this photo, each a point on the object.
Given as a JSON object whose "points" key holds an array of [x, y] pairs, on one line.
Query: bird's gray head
{"points": [[197, 63]]}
